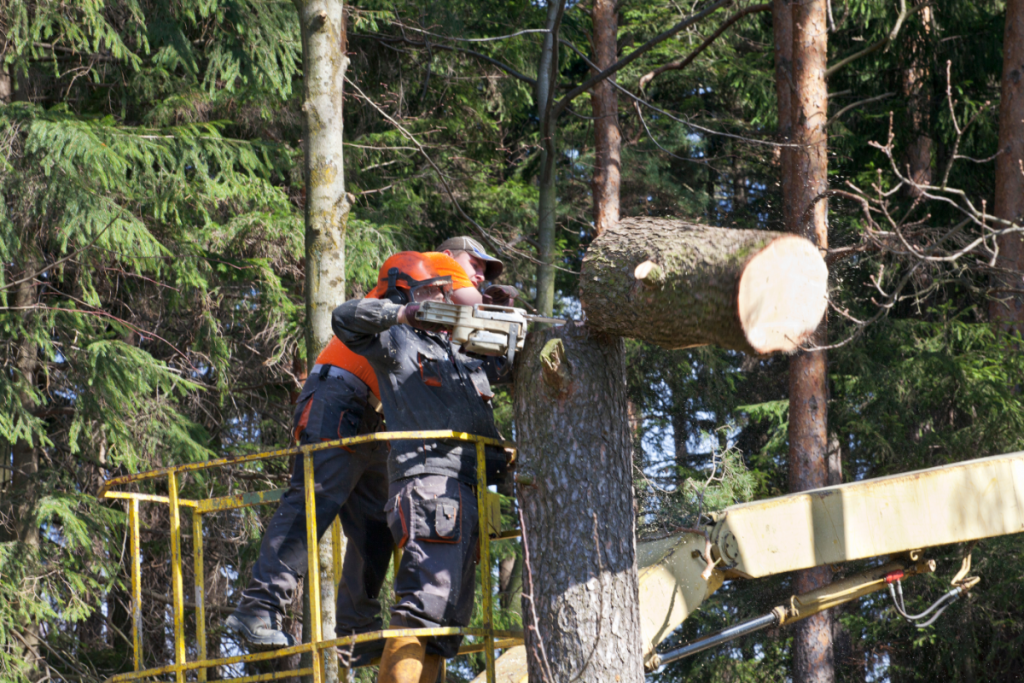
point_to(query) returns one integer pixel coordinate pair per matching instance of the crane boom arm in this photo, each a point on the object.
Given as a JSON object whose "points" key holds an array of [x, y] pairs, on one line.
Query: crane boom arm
{"points": [[955, 503], [889, 516]]}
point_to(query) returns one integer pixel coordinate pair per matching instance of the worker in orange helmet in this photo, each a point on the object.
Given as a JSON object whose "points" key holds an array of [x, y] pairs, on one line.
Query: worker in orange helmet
{"points": [[426, 383], [339, 399]]}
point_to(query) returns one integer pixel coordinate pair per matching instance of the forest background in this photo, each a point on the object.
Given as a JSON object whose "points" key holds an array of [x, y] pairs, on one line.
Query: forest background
{"points": [[151, 299]]}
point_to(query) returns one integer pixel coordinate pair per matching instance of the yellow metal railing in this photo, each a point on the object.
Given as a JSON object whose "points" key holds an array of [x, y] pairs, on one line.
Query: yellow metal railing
{"points": [[317, 647]]}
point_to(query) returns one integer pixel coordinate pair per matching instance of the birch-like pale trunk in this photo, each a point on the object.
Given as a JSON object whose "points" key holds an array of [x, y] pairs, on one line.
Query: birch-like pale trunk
{"points": [[547, 71], [6, 87], [327, 207], [322, 24]]}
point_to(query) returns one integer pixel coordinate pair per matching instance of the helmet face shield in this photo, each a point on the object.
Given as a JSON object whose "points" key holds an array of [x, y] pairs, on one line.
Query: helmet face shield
{"points": [[435, 289]]}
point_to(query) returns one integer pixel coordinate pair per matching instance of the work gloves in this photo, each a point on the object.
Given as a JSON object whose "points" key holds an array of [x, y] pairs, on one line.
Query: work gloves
{"points": [[500, 295], [410, 317]]}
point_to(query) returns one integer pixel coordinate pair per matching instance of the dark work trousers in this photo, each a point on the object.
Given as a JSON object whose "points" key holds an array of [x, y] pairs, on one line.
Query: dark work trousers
{"points": [[352, 483], [434, 518]]}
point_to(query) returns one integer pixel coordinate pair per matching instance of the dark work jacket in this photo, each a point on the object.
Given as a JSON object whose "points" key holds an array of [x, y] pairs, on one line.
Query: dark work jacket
{"points": [[425, 383]]}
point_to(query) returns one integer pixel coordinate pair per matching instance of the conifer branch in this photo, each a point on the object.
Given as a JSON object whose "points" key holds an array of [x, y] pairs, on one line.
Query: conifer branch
{"points": [[67, 258]]}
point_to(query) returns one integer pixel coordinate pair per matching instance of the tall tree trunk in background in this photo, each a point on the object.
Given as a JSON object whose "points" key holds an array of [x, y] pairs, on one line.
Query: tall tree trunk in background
{"points": [[782, 28], [605, 102], [547, 81], [6, 87], [581, 608], [916, 89], [20, 495], [1008, 309], [6, 91], [324, 62], [805, 178], [510, 584]]}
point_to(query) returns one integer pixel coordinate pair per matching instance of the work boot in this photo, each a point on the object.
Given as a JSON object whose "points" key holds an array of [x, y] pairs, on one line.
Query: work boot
{"points": [[431, 668], [402, 661], [259, 629]]}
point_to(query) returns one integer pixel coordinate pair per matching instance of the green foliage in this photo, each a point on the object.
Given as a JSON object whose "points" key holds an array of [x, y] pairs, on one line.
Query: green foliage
{"points": [[152, 242]]}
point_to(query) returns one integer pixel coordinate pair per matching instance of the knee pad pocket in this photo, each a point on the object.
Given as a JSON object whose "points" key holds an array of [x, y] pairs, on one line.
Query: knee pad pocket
{"points": [[437, 520]]}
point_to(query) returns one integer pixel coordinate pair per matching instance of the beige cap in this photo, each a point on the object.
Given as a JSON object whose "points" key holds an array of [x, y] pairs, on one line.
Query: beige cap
{"points": [[494, 266]]}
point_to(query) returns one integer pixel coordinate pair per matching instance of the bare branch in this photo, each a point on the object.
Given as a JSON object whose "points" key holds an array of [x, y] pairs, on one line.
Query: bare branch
{"points": [[848, 107], [884, 42], [635, 54], [685, 61], [501, 244], [477, 40], [383, 39]]}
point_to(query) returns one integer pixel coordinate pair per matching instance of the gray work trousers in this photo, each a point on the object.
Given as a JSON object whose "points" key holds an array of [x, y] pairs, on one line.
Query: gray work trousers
{"points": [[434, 518], [352, 483]]}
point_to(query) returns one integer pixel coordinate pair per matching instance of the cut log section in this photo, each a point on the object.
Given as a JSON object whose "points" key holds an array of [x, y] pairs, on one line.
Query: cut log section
{"points": [[678, 284]]}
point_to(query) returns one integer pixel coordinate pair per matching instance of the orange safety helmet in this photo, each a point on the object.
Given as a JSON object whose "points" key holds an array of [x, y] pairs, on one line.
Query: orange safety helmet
{"points": [[408, 277]]}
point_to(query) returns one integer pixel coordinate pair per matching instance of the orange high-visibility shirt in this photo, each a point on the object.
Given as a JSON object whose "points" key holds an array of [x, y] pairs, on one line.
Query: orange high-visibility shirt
{"points": [[339, 355]]}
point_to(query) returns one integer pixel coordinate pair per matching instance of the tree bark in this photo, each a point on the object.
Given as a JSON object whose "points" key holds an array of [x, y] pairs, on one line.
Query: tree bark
{"points": [[782, 28], [605, 103], [916, 90], [679, 284], [808, 395], [6, 87], [581, 608], [510, 584], [21, 493], [327, 207], [1008, 308], [547, 78], [322, 24]]}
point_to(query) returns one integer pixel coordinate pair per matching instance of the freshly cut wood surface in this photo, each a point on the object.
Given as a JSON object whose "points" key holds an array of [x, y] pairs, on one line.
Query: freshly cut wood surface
{"points": [[679, 284]]}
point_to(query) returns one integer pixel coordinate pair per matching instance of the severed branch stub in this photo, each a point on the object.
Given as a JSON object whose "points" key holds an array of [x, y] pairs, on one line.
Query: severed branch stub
{"points": [[649, 275], [679, 284]]}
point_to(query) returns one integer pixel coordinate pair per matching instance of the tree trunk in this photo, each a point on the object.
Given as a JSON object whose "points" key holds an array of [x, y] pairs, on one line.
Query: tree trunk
{"points": [[327, 610], [20, 496], [581, 608], [547, 80], [679, 284], [6, 87], [916, 90], [1008, 309], [327, 208], [808, 395], [322, 24], [510, 584], [782, 28], [605, 102]]}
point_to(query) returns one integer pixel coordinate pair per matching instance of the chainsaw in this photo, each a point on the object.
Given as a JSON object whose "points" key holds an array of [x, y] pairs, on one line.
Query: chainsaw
{"points": [[484, 329]]}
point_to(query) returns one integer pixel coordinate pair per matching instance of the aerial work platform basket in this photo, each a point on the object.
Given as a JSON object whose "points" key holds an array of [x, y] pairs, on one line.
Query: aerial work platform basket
{"points": [[487, 638]]}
